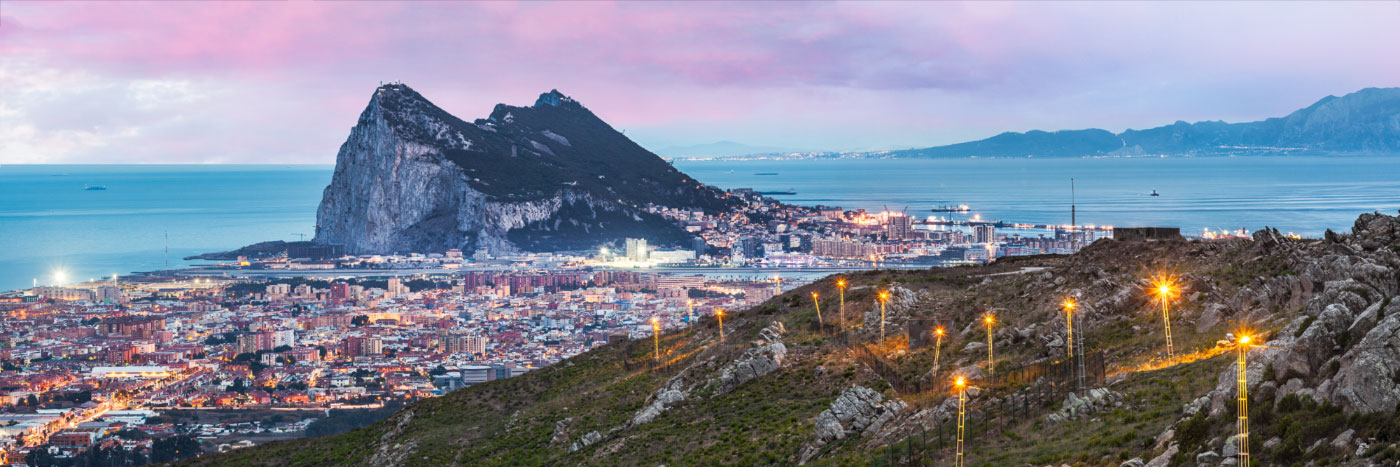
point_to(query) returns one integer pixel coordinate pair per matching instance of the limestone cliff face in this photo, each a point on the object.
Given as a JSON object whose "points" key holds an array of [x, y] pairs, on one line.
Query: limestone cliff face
{"points": [[413, 178]]}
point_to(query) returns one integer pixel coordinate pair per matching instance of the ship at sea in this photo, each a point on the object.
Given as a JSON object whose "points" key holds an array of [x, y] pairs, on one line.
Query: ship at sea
{"points": [[951, 208], [783, 192], [94, 188], [765, 173]]}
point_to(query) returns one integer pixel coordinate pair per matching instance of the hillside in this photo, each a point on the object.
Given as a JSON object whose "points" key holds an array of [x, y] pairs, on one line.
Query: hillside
{"points": [[412, 177], [781, 390], [1366, 121]]}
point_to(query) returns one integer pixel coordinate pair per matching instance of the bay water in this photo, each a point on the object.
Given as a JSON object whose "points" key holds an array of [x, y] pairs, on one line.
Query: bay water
{"points": [[50, 222]]}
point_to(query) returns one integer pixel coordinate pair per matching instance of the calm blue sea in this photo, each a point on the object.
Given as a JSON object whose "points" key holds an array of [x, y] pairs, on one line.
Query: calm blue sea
{"points": [[49, 222]]}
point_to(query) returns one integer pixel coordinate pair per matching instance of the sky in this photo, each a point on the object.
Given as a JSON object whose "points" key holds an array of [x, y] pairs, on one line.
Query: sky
{"points": [[283, 82]]}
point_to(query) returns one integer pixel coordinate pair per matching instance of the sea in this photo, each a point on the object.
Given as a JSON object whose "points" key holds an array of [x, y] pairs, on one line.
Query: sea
{"points": [[149, 217]]}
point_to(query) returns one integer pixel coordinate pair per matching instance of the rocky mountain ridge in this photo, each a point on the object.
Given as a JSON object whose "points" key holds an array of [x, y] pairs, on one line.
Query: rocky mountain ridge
{"points": [[411, 177], [1366, 121]]}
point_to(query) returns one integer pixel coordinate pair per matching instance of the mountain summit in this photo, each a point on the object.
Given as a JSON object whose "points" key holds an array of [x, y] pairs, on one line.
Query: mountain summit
{"points": [[552, 176]]}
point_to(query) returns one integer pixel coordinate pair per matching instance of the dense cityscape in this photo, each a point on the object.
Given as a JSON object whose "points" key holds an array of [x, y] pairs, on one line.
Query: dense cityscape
{"points": [[257, 349]]}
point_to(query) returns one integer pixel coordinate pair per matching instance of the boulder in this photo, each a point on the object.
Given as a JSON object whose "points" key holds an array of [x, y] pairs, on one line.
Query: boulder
{"points": [[858, 410], [1165, 459]]}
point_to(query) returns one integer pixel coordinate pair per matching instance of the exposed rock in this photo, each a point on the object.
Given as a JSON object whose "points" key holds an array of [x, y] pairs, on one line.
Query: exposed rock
{"points": [[857, 410], [674, 391], [1207, 458], [561, 431], [1164, 459], [1134, 462], [764, 355], [586, 441], [411, 177], [1343, 441], [1074, 407]]}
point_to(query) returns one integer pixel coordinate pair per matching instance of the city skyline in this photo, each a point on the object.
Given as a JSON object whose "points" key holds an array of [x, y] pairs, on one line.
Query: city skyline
{"points": [[163, 83]]}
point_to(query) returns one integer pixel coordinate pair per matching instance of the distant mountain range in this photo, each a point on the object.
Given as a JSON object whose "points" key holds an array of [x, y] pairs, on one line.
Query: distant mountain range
{"points": [[1366, 121], [552, 176]]}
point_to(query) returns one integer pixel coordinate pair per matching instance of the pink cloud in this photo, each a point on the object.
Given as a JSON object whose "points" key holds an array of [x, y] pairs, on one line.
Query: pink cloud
{"points": [[779, 73]]}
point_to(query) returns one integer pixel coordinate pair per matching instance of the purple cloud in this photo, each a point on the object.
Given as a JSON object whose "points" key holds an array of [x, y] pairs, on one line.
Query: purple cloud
{"points": [[279, 81]]}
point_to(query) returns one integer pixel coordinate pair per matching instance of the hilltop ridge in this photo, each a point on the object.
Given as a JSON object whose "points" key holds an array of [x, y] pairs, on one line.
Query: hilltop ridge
{"points": [[779, 389]]}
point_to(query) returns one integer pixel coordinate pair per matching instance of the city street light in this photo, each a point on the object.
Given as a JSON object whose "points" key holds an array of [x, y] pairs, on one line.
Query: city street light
{"points": [[719, 315], [656, 339], [990, 320], [841, 286], [1069, 307], [819, 310], [690, 313], [1165, 289], [884, 297], [937, 347]]}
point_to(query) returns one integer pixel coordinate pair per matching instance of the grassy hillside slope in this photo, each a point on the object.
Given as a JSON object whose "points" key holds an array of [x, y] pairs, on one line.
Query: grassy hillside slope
{"points": [[781, 390]]}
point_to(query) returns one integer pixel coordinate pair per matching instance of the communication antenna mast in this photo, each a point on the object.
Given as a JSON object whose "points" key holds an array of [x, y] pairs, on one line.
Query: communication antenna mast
{"points": [[1073, 223], [167, 250]]}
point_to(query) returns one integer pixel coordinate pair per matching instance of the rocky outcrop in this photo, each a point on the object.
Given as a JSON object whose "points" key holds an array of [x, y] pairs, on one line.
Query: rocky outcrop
{"points": [[413, 178], [764, 355], [858, 410], [1095, 401], [1345, 346]]}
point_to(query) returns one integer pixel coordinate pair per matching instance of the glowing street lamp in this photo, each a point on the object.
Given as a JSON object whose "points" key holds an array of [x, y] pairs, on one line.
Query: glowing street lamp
{"points": [[1242, 425], [937, 347], [656, 339], [961, 385], [841, 286], [1165, 289], [819, 310], [989, 320], [884, 297], [719, 315], [1069, 307], [60, 276]]}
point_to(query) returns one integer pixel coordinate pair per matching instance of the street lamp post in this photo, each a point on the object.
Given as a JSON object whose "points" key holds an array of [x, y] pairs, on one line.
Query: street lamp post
{"points": [[719, 315], [1242, 425], [961, 385], [884, 297], [991, 365], [690, 313], [841, 287], [1165, 289], [819, 310], [656, 339], [1069, 306], [937, 348]]}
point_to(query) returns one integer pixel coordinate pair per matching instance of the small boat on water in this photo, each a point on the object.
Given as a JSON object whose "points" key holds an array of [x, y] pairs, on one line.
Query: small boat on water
{"points": [[94, 188], [765, 173], [1154, 193]]}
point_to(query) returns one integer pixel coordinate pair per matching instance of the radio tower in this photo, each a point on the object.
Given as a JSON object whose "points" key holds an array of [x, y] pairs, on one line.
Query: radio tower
{"points": [[1072, 221]]}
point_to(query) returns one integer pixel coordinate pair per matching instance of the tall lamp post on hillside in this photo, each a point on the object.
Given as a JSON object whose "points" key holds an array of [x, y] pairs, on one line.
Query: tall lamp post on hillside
{"points": [[960, 384], [841, 287], [937, 348], [1165, 289], [719, 315], [819, 310], [1069, 307], [991, 365], [656, 339]]}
